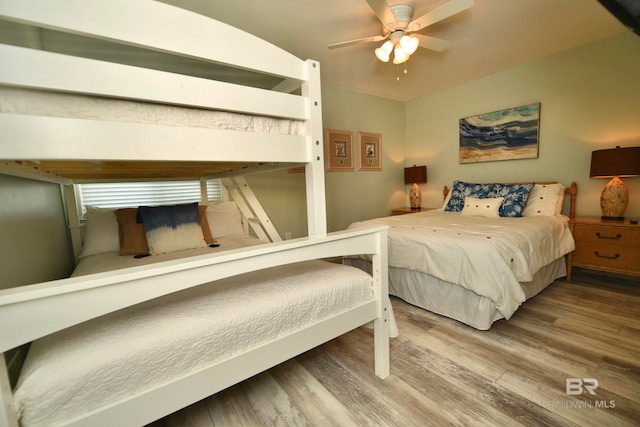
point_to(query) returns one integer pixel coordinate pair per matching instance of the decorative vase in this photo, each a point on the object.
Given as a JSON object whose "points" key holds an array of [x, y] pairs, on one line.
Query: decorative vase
{"points": [[415, 197]]}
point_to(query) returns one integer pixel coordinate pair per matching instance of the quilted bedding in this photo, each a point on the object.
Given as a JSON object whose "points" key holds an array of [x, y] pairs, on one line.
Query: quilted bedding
{"points": [[109, 358], [489, 256], [25, 101]]}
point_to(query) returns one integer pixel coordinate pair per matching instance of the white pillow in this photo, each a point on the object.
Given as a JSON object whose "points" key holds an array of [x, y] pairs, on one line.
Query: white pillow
{"points": [[545, 200], [100, 232], [487, 208], [224, 219]]}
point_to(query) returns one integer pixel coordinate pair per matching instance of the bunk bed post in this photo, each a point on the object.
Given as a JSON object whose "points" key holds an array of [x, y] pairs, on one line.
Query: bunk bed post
{"points": [[73, 219], [314, 170], [7, 414], [380, 275]]}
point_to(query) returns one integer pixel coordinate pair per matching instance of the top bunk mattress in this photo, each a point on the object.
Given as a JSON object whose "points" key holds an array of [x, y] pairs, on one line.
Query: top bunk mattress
{"points": [[57, 104]]}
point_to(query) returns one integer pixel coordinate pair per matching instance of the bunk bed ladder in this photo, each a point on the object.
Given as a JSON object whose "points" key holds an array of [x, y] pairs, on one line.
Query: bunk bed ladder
{"points": [[251, 208]]}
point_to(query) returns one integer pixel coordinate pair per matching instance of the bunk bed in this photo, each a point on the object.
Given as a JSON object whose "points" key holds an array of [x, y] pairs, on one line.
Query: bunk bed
{"points": [[48, 135], [478, 267]]}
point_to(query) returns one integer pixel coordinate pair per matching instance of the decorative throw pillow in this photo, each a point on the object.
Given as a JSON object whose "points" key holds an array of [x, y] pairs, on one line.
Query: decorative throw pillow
{"points": [[133, 240], [487, 207], [172, 228], [545, 200], [462, 190], [100, 232], [224, 219], [515, 197]]}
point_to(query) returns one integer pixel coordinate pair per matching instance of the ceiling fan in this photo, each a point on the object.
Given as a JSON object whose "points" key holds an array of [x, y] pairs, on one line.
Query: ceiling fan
{"points": [[397, 24]]}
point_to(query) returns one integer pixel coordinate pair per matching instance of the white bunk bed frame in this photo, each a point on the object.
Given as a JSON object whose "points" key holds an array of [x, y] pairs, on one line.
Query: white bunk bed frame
{"points": [[30, 312]]}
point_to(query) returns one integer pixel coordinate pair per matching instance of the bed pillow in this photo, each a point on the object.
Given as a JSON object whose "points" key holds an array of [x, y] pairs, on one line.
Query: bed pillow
{"points": [[224, 219], [100, 232], [172, 228], [515, 197], [545, 200], [133, 240], [462, 190], [487, 207]]}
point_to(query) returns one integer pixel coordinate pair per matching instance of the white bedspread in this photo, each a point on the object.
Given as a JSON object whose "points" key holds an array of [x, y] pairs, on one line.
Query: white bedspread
{"points": [[486, 255], [104, 360], [42, 103]]}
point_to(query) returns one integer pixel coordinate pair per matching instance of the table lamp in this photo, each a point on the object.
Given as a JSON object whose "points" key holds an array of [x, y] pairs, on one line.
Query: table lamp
{"points": [[415, 175], [615, 163]]}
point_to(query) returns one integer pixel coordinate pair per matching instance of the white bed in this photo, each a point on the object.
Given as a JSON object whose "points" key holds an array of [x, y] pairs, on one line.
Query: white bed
{"points": [[471, 268], [67, 148]]}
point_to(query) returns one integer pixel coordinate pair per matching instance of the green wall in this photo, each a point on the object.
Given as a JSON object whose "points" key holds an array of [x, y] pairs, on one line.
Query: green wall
{"points": [[590, 99], [33, 233], [351, 196]]}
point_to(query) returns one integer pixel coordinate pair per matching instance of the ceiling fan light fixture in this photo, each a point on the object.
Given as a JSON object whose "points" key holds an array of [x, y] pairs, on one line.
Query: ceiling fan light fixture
{"points": [[383, 52], [399, 55], [409, 44]]}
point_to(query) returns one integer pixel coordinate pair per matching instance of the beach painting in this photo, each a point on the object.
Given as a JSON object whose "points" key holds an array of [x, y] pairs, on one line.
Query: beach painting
{"points": [[501, 135]]}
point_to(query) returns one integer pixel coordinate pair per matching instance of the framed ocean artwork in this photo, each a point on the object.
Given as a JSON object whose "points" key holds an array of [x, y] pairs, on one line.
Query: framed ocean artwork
{"points": [[501, 135]]}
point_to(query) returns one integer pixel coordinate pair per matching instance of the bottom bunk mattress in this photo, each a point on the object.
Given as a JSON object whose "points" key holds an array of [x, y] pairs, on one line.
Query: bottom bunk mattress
{"points": [[111, 358]]}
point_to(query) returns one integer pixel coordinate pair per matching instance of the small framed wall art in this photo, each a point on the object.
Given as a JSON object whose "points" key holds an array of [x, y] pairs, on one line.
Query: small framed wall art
{"points": [[370, 145], [338, 150]]}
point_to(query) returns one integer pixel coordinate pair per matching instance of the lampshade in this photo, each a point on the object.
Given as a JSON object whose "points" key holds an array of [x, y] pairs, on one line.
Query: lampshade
{"points": [[615, 162], [409, 44], [383, 52], [415, 174], [399, 55]]}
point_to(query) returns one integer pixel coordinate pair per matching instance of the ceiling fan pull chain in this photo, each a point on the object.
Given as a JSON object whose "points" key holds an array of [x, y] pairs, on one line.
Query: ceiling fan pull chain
{"points": [[397, 73], [405, 68]]}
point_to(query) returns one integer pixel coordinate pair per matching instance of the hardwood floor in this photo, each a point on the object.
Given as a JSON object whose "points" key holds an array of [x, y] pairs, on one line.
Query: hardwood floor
{"points": [[446, 373]]}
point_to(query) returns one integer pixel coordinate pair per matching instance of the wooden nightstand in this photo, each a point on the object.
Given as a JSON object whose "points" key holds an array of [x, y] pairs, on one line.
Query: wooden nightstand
{"points": [[407, 210], [606, 245]]}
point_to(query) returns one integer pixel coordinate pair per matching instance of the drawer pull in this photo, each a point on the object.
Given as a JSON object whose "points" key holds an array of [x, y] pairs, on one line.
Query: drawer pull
{"points": [[596, 253], [617, 236]]}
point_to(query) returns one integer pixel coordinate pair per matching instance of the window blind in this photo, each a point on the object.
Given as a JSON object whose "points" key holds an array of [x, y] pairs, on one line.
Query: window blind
{"points": [[133, 194]]}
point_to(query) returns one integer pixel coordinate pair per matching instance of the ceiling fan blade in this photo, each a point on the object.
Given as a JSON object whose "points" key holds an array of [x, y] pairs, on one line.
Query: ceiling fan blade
{"points": [[438, 14], [357, 41], [432, 43], [383, 12]]}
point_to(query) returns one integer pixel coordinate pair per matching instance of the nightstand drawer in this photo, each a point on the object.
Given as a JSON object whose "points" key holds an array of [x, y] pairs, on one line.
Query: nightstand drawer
{"points": [[607, 256], [607, 235]]}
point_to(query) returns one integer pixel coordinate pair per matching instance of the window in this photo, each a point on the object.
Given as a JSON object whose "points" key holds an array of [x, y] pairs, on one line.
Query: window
{"points": [[133, 194]]}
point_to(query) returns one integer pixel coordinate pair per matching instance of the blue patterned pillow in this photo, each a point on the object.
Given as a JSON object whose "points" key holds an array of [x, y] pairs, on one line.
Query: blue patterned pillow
{"points": [[515, 197], [172, 228], [461, 190]]}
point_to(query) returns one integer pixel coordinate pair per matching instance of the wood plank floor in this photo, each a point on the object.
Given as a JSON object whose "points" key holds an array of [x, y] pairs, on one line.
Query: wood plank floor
{"points": [[446, 373]]}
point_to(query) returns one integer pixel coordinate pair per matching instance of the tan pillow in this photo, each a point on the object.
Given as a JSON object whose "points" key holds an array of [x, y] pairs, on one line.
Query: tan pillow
{"points": [[133, 240]]}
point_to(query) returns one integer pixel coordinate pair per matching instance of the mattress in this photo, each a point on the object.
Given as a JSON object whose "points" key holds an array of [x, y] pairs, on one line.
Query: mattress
{"points": [[53, 104], [488, 256], [104, 360]]}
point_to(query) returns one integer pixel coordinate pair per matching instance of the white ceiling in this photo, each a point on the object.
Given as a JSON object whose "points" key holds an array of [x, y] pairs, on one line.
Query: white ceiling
{"points": [[491, 36]]}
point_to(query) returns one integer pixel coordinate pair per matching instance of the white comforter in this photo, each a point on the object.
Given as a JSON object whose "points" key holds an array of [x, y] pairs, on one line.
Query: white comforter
{"points": [[123, 353], [489, 256]]}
